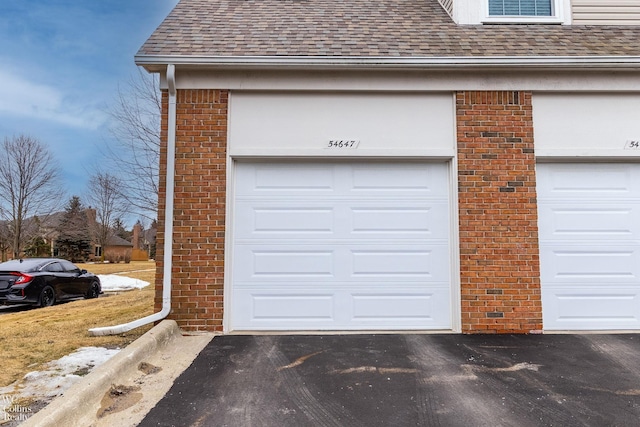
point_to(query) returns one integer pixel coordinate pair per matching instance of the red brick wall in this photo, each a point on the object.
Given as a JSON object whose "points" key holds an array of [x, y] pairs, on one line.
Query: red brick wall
{"points": [[499, 261], [199, 209]]}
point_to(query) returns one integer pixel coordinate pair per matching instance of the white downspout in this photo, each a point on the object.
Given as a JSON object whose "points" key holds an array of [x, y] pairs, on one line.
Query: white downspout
{"points": [[168, 224]]}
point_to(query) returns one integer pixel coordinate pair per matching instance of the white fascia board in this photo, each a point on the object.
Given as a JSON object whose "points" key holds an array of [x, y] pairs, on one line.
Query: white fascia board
{"points": [[426, 154], [156, 63]]}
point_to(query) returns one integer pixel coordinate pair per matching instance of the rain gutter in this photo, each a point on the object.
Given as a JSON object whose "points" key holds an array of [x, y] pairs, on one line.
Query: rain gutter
{"points": [[157, 62], [168, 226]]}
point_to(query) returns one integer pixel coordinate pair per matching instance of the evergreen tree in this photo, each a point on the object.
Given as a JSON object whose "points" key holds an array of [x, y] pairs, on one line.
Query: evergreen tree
{"points": [[74, 238], [37, 247]]}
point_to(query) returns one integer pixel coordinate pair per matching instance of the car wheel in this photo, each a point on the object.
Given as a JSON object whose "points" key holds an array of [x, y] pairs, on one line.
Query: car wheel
{"points": [[94, 291], [47, 297]]}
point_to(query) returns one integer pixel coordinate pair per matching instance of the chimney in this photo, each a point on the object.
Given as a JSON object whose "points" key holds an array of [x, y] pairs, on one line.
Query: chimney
{"points": [[91, 215], [137, 229]]}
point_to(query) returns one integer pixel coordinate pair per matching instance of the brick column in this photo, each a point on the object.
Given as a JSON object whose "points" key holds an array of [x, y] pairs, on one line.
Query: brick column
{"points": [[499, 259], [199, 209]]}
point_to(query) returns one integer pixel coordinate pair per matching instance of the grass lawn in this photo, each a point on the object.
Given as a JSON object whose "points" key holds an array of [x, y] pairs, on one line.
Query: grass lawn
{"points": [[31, 337]]}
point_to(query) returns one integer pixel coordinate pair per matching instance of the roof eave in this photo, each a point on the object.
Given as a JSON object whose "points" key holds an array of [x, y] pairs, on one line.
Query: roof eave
{"points": [[155, 63]]}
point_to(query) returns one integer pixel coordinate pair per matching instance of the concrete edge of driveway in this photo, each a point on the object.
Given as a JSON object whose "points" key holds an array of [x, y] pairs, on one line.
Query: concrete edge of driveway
{"points": [[77, 405]]}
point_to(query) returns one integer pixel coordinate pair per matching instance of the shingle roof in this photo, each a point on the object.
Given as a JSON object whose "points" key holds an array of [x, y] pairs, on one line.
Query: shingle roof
{"points": [[366, 28], [118, 241]]}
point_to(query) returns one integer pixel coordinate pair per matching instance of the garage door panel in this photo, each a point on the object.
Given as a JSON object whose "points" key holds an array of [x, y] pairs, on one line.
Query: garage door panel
{"points": [[367, 180], [269, 179], [391, 263], [263, 264], [594, 309], [300, 263], [285, 306], [281, 310], [264, 219], [589, 220], [374, 306], [347, 263], [381, 220], [398, 262], [403, 219], [410, 307], [397, 178], [601, 263], [367, 248], [589, 180], [339, 308], [332, 219], [292, 220]]}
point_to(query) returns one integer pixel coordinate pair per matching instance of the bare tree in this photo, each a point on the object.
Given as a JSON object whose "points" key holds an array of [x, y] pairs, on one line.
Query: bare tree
{"points": [[28, 186], [106, 199], [5, 240], [136, 128]]}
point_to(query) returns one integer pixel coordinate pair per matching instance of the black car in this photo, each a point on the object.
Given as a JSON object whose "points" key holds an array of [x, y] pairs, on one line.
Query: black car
{"points": [[44, 281]]}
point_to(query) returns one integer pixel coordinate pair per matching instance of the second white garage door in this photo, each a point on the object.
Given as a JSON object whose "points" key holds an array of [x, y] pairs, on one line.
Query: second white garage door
{"points": [[589, 216], [341, 246]]}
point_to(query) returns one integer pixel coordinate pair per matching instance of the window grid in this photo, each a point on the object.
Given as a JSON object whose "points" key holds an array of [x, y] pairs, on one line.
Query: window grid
{"points": [[520, 8]]}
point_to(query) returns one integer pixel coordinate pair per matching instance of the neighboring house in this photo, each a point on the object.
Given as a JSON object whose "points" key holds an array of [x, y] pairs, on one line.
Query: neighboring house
{"points": [[116, 250], [43, 227], [47, 228], [456, 165]]}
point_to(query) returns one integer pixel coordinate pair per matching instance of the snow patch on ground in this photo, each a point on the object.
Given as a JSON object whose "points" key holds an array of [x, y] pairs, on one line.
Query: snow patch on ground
{"points": [[38, 388], [60, 374], [115, 283]]}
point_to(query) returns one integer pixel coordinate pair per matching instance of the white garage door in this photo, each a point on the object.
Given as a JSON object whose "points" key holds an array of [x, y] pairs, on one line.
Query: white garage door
{"points": [[589, 217], [340, 246]]}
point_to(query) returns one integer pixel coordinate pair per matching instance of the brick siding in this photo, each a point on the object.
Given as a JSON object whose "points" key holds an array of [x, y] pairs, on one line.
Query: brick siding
{"points": [[499, 260], [199, 209]]}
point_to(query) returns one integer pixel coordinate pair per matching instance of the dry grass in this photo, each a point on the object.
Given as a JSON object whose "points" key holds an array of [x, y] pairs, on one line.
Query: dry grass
{"points": [[30, 338]]}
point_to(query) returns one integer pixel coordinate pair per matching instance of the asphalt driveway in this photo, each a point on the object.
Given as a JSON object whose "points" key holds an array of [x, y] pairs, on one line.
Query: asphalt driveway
{"points": [[408, 380]]}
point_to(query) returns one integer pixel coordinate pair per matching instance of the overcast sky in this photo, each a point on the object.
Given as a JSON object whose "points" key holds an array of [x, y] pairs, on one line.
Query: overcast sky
{"points": [[61, 62]]}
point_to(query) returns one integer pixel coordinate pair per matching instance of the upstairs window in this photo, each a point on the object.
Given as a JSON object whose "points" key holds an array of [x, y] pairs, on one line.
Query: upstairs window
{"points": [[520, 8], [524, 11]]}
